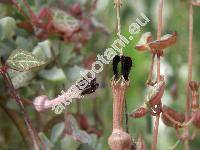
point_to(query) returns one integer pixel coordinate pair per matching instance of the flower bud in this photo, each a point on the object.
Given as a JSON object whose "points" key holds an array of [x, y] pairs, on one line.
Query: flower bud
{"points": [[41, 103]]}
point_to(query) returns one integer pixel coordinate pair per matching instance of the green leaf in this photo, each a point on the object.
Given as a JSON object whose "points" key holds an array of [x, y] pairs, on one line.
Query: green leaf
{"points": [[69, 143], [7, 27], [78, 134], [57, 131], [72, 122], [54, 75], [21, 40], [64, 21], [94, 140], [73, 73], [20, 79], [66, 53], [22, 60], [46, 141], [82, 136], [43, 50]]}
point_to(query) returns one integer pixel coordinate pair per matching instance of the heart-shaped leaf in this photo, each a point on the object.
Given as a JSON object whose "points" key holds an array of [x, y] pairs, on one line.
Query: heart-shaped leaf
{"points": [[43, 50], [7, 27], [20, 79], [75, 132], [55, 75], [82, 136], [63, 21], [57, 132], [22, 60]]}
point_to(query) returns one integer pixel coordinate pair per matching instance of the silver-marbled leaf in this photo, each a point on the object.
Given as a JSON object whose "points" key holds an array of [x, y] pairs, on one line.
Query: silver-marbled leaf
{"points": [[22, 60]]}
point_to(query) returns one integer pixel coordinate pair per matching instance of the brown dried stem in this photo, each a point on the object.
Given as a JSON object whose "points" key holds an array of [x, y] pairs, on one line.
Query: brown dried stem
{"points": [[149, 80], [187, 109], [159, 32], [118, 4]]}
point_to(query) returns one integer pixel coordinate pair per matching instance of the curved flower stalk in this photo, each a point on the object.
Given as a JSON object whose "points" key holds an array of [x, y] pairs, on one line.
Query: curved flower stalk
{"points": [[42, 102]]}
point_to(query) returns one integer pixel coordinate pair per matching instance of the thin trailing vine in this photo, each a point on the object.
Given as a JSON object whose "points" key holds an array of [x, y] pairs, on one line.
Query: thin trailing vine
{"points": [[159, 32], [187, 107], [13, 93]]}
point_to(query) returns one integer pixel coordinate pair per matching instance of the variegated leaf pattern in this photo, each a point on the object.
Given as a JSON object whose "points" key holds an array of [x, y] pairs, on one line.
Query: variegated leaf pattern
{"points": [[22, 60], [63, 21]]}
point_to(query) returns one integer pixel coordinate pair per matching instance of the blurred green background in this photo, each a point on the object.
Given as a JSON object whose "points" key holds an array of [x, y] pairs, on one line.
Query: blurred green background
{"points": [[173, 66]]}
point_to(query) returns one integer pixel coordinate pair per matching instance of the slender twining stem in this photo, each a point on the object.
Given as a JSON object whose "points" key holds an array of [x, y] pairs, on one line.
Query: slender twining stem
{"points": [[15, 95], [155, 133], [187, 109], [189, 55], [20, 9], [159, 32], [33, 17], [149, 80], [118, 18], [118, 5]]}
